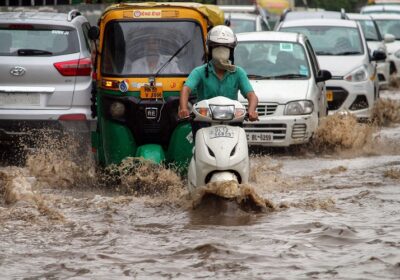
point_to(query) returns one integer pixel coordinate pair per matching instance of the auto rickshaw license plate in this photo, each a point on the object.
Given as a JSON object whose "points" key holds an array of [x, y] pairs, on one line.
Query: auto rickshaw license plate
{"points": [[329, 95], [151, 92]]}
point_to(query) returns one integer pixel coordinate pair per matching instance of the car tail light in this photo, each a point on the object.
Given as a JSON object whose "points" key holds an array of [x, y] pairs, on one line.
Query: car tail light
{"points": [[78, 67], [72, 117]]}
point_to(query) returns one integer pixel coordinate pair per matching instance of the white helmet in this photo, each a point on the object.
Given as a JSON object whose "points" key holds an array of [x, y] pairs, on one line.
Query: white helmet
{"points": [[221, 35]]}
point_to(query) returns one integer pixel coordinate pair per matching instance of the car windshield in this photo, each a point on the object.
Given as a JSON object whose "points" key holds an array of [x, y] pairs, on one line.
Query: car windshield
{"points": [[389, 27], [370, 31], [144, 47], [331, 40], [242, 25], [27, 40], [272, 60]]}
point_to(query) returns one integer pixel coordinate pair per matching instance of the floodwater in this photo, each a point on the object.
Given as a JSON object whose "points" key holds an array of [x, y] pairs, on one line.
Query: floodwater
{"points": [[331, 210]]}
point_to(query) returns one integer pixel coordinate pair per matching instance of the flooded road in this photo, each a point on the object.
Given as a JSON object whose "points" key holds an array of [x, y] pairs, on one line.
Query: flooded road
{"points": [[333, 213]]}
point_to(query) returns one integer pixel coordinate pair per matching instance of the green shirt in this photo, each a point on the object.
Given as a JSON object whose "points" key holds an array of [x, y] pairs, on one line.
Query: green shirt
{"points": [[212, 86]]}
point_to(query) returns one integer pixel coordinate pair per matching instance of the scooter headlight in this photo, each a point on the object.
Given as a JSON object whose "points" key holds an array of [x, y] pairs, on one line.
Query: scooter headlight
{"points": [[222, 113], [301, 107]]}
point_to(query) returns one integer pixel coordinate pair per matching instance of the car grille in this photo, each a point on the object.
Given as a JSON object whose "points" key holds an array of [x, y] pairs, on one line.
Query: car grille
{"points": [[265, 109], [339, 96], [278, 130], [299, 131]]}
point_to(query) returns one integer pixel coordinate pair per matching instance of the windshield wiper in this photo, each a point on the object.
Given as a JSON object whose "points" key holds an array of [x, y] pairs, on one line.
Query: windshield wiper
{"points": [[171, 58], [258, 77], [348, 53], [324, 53], [289, 76], [33, 52]]}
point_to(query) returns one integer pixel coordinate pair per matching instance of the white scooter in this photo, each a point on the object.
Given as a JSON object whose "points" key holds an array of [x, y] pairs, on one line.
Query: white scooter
{"points": [[221, 150]]}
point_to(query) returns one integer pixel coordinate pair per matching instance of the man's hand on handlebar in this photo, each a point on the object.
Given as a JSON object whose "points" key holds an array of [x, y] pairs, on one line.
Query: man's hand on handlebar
{"points": [[184, 113], [253, 116]]}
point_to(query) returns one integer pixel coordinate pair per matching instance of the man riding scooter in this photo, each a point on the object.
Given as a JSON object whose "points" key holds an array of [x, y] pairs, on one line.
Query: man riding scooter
{"points": [[219, 76]]}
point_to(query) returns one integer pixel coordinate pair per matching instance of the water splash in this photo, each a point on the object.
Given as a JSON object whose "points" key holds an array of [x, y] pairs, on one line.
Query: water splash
{"points": [[392, 173], [244, 196], [386, 112], [340, 132], [61, 162]]}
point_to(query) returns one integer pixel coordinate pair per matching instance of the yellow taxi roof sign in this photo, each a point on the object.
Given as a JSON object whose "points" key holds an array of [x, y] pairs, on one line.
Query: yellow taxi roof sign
{"points": [[213, 13]]}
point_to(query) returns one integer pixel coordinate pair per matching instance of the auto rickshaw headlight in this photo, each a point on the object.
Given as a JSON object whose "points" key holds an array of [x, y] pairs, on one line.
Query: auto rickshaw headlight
{"points": [[117, 109]]}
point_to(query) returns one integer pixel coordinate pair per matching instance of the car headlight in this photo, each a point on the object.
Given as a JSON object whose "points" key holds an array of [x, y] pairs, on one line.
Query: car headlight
{"points": [[397, 54], [358, 75], [301, 107]]}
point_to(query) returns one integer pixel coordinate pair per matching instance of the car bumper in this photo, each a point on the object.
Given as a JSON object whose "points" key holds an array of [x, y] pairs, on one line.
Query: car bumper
{"points": [[281, 131], [357, 98], [396, 62], [383, 70], [16, 124]]}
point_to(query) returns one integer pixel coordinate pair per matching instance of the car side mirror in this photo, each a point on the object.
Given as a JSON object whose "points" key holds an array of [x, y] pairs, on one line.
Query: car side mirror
{"points": [[94, 33], [323, 75], [378, 55], [389, 38]]}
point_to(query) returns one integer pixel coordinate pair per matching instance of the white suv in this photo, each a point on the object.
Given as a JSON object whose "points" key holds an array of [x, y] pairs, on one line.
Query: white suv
{"points": [[342, 49], [45, 72], [285, 75]]}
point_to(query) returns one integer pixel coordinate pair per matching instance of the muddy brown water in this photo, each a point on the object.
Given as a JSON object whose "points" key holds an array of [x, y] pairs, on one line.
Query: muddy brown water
{"points": [[332, 212]]}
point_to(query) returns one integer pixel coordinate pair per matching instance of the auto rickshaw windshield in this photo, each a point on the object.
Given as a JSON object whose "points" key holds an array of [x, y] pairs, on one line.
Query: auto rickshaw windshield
{"points": [[141, 48]]}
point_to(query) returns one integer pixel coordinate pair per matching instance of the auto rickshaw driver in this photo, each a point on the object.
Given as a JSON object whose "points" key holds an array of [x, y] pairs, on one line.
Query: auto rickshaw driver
{"points": [[153, 59]]}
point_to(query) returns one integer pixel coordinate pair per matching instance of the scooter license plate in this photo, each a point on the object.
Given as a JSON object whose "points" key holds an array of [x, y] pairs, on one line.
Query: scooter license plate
{"points": [[221, 131], [151, 92], [259, 137], [329, 95]]}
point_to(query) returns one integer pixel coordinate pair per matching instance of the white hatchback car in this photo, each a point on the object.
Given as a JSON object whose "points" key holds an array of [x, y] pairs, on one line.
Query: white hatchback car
{"points": [[245, 18], [376, 41], [285, 75], [389, 24], [342, 49]]}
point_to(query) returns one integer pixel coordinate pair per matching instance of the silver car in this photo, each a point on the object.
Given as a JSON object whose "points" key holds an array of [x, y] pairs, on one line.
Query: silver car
{"points": [[45, 72]]}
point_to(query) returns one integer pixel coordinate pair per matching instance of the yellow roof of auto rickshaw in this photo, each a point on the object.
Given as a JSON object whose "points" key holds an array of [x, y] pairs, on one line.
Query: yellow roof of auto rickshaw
{"points": [[213, 13]]}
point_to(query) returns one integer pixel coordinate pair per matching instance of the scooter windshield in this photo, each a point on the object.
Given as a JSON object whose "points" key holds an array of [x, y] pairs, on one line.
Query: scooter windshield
{"points": [[141, 48]]}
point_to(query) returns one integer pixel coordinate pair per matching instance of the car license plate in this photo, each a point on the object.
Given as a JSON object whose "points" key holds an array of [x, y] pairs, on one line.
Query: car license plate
{"points": [[329, 95], [148, 92], [14, 99], [221, 131], [259, 137]]}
